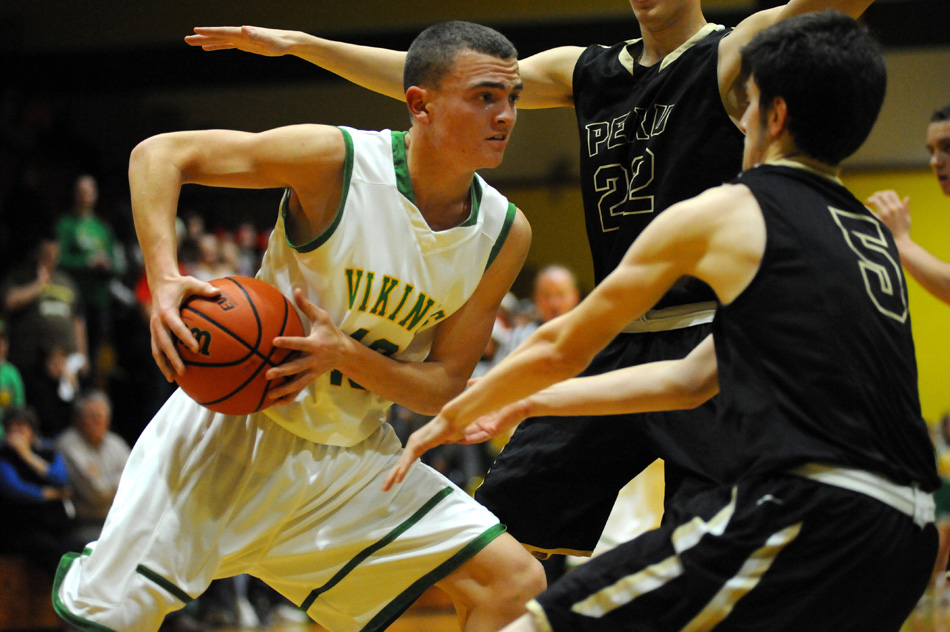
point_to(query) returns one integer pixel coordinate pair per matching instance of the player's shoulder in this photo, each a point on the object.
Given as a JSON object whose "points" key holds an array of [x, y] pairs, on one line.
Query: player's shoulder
{"points": [[520, 229], [715, 208], [720, 197]]}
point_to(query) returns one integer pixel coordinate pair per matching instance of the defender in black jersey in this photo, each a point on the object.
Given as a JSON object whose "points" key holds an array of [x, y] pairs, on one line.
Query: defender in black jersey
{"points": [[657, 119], [826, 522]]}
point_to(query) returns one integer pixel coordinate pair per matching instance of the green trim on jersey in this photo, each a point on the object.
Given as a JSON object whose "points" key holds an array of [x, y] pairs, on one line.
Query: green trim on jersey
{"points": [[320, 239], [401, 165], [74, 620], [171, 588], [476, 192], [368, 551], [404, 181], [503, 235], [385, 617]]}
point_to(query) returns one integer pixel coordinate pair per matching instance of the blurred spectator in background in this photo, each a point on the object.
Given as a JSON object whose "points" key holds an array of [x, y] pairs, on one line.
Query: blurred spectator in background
{"points": [[932, 273], [88, 253], [44, 310], [248, 259], [210, 265], [932, 613], [54, 390], [37, 514], [555, 292], [95, 457], [194, 225], [12, 392]]}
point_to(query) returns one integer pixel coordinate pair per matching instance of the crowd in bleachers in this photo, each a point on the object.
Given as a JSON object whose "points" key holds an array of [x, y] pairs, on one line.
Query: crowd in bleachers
{"points": [[77, 380]]}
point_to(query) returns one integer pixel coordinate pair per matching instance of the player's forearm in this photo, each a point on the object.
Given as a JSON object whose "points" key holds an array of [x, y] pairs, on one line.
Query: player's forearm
{"points": [[643, 388], [377, 69], [932, 273], [154, 184], [423, 387], [854, 8], [548, 78], [665, 385], [536, 365]]}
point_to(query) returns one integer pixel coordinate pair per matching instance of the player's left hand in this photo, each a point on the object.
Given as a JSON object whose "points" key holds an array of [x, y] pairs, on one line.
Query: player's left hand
{"points": [[893, 211], [251, 39], [165, 324], [318, 352], [438, 431], [497, 423]]}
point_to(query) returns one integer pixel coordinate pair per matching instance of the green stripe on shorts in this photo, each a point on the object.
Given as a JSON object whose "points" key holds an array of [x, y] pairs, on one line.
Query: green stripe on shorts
{"points": [[72, 619], [365, 553], [385, 617], [164, 583]]}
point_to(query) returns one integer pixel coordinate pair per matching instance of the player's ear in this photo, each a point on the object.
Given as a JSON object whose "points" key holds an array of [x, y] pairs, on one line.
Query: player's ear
{"points": [[417, 98], [778, 116]]}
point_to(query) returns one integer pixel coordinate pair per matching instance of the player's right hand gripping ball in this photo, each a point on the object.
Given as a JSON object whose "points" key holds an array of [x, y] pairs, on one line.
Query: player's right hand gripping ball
{"points": [[235, 332]]}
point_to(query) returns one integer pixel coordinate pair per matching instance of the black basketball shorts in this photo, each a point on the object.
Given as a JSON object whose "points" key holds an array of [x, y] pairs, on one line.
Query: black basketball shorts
{"points": [[781, 554]]}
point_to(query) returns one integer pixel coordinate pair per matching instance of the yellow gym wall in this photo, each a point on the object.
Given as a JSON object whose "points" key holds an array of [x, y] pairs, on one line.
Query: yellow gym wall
{"points": [[559, 235], [930, 318]]}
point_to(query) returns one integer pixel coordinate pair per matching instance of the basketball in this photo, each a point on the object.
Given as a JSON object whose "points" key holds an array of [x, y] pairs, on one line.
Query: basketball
{"points": [[235, 333]]}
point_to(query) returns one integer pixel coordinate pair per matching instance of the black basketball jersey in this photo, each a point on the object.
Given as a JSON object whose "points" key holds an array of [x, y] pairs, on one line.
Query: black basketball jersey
{"points": [[816, 359], [650, 137]]}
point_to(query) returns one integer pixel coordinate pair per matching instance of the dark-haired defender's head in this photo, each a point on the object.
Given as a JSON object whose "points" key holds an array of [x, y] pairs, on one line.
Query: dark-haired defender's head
{"points": [[432, 54], [826, 73]]}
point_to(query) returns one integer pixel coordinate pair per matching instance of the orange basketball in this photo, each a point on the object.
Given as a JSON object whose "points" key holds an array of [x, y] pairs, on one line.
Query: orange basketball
{"points": [[235, 333]]}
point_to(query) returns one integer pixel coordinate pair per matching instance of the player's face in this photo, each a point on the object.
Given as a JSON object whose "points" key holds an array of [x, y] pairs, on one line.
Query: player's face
{"points": [[474, 109], [938, 144], [753, 127]]}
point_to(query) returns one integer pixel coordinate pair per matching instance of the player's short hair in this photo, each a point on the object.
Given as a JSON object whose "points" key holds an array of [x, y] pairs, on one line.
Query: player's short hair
{"points": [[433, 52], [831, 74], [943, 114]]}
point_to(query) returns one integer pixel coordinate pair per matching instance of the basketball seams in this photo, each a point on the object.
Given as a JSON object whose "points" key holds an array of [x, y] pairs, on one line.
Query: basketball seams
{"points": [[271, 313], [257, 316], [257, 320], [252, 350], [283, 328], [265, 360]]}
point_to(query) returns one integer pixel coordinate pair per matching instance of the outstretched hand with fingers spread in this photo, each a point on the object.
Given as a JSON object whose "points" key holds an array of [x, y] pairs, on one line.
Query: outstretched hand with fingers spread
{"points": [[438, 431], [251, 39], [497, 423]]}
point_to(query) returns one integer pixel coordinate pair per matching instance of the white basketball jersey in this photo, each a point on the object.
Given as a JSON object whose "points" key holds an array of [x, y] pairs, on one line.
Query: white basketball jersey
{"points": [[383, 276]]}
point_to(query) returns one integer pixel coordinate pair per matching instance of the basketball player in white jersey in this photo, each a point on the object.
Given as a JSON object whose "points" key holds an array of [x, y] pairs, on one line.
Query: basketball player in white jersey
{"points": [[398, 256]]}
